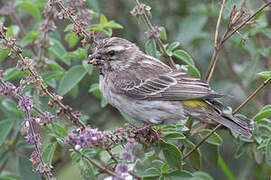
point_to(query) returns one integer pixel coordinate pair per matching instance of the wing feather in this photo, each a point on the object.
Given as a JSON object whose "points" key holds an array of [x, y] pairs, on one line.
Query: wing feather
{"points": [[156, 81]]}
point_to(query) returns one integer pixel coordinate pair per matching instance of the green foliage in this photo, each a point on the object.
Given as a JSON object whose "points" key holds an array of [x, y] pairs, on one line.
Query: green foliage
{"points": [[72, 77], [187, 35], [30, 8], [48, 153], [265, 74], [214, 139], [25, 169], [5, 128]]}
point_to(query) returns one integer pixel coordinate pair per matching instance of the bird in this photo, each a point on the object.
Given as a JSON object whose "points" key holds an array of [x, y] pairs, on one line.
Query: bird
{"points": [[148, 90]]}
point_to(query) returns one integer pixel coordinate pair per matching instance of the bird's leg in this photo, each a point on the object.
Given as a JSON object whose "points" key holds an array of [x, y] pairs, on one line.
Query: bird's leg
{"points": [[148, 127]]}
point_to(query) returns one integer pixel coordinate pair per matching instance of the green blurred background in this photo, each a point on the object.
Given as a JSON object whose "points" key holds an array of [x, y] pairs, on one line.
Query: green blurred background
{"points": [[191, 23]]}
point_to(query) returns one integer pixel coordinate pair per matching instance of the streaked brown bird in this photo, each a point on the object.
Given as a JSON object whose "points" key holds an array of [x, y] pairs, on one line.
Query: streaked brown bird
{"points": [[148, 90]]}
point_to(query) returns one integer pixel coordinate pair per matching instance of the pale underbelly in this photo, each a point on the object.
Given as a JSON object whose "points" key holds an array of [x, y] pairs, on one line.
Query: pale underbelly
{"points": [[156, 112]]}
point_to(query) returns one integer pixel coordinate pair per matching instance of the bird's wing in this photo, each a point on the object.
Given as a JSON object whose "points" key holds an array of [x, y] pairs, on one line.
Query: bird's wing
{"points": [[147, 82]]}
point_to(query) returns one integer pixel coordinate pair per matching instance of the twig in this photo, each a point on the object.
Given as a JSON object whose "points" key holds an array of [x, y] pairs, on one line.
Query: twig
{"points": [[135, 175], [229, 32], [157, 39], [234, 112], [67, 112], [227, 35], [112, 156], [102, 169], [252, 95], [202, 141], [218, 22]]}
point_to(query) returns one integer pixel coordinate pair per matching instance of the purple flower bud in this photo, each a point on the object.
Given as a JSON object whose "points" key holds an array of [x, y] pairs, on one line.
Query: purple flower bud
{"points": [[121, 168], [33, 139], [35, 157], [47, 118], [25, 103], [130, 144], [127, 156]]}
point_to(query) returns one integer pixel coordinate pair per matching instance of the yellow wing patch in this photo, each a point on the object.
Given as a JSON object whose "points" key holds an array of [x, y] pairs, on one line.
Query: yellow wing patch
{"points": [[194, 103]]}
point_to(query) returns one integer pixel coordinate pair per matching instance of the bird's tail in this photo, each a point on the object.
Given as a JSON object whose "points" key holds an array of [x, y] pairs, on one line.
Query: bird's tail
{"points": [[240, 125]]}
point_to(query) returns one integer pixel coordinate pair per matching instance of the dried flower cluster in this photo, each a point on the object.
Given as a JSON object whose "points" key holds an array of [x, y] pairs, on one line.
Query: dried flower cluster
{"points": [[138, 11], [43, 41], [89, 137]]}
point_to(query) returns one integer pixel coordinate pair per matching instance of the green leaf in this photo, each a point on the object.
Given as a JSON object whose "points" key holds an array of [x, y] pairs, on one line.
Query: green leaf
{"points": [[184, 57], [52, 75], [193, 71], [172, 155], [107, 31], [74, 91], [262, 114], [3, 54], [11, 106], [268, 152], [4, 156], [60, 130], [94, 88], [87, 170], [201, 176], [225, 168], [151, 172], [173, 46], [265, 74], [24, 167], [103, 19], [55, 66], [31, 8], [180, 175], [71, 78], [59, 51], [165, 168], [214, 139], [71, 38], [48, 153], [88, 67], [157, 163], [5, 128], [174, 135], [12, 74], [13, 31], [29, 38], [190, 28], [163, 33], [195, 159], [114, 25], [68, 28], [150, 48]]}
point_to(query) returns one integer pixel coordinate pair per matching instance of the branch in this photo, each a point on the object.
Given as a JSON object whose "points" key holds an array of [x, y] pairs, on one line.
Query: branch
{"points": [[38, 79], [102, 169], [227, 35], [218, 22], [157, 39], [229, 32]]}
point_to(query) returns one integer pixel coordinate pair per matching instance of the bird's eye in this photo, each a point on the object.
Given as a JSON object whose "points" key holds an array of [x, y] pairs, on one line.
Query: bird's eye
{"points": [[111, 53]]}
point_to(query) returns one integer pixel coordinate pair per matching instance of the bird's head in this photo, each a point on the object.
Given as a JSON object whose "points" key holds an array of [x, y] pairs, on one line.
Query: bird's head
{"points": [[114, 54]]}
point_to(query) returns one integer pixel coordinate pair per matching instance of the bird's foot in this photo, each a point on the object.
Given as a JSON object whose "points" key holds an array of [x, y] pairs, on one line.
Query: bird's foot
{"points": [[148, 128]]}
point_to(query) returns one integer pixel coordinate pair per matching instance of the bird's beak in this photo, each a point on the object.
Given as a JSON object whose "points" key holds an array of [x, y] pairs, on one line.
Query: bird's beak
{"points": [[94, 59]]}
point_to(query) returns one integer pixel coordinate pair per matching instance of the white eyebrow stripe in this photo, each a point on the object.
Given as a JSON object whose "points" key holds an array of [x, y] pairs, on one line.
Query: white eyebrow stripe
{"points": [[116, 48]]}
